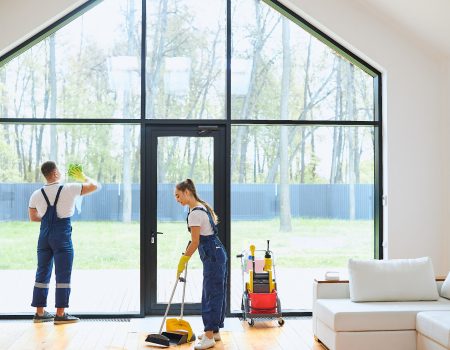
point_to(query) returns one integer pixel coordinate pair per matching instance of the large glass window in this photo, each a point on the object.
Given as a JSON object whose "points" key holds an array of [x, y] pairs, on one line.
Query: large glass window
{"points": [[186, 59], [106, 224], [89, 68], [309, 190], [304, 126], [279, 71]]}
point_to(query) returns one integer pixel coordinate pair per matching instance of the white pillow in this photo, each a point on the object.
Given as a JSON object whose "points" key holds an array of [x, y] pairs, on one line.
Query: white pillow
{"points": [[392, 280], [445, 289]]}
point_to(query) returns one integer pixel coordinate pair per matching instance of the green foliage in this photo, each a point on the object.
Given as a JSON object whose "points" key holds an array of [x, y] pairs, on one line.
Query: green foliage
{"points": [[114, 245], [8, 163]]}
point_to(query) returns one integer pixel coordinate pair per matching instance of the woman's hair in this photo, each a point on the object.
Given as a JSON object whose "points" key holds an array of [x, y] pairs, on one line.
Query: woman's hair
{"points": [[188, 184]]}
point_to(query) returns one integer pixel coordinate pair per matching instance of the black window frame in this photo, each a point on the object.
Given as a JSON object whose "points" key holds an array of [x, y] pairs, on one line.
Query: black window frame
{"points": [[228, 122]]}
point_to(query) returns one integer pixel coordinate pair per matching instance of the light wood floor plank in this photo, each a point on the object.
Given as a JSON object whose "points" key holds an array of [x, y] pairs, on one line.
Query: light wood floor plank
{"points": [[296, 334]]}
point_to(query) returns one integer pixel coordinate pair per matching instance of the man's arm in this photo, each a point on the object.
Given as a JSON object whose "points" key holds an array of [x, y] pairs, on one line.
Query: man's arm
{"points": [[33, 214], [88, 186]]}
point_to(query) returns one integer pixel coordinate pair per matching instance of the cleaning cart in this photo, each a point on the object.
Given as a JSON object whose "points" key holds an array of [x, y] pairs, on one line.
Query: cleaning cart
{"points": [[260, 301]]}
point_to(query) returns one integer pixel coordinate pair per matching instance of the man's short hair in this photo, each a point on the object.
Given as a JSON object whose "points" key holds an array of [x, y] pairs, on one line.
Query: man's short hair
{"points": [[47, 168]]}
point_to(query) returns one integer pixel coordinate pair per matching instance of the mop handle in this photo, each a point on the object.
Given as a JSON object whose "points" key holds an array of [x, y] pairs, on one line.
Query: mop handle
{"points": [[184, 290], [184, 286], [168, 306]]}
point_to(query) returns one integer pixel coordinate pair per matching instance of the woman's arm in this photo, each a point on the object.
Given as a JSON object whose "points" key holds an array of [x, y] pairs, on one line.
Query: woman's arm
{"points": [[195, 239]]}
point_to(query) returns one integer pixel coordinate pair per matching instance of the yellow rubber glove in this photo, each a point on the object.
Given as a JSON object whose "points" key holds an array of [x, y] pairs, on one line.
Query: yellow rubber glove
{"points": [[182, 264]]}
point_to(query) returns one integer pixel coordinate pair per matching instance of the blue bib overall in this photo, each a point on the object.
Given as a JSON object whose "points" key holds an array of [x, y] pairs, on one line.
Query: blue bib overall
{"points": [[214, 295], [55, 243]]}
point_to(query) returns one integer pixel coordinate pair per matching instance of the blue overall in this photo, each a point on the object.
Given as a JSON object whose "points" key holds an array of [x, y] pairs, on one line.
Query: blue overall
{"points": [[214, 294], [55, 242]]}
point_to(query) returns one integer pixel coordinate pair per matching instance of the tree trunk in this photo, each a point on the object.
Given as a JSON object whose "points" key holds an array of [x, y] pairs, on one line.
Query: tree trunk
{"points": [[194, 158], [126, 169], [243, 153], [53, 99], [4, 106], [241, 140], [153, 74], [352, 146], [285, 203], [336, 159]]}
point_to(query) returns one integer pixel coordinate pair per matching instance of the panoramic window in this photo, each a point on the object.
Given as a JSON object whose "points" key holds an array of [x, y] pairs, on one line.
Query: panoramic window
{"points": [[279, 71], [83, 70], [186, 59], [313, 184], [106, 226], [302, 141], [314, 192]]}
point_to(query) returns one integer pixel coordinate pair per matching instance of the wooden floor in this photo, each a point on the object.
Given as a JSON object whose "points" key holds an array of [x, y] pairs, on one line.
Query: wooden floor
{"points": [[296, 334]]}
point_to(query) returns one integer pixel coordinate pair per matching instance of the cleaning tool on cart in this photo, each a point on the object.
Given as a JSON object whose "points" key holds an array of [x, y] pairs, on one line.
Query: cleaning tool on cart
{"points": [[178, 331], [260, 299]]}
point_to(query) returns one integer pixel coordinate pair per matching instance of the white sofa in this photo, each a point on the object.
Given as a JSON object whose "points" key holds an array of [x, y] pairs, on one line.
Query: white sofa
{"points": [[341, 324]]}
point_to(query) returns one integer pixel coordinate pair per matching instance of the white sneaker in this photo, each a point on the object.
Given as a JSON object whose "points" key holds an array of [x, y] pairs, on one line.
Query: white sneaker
{"points": [[216, 336], [205, 343]]}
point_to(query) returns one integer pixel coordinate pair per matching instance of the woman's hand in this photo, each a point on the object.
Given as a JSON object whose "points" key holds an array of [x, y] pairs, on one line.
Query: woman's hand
{"points": [[182, 264]]}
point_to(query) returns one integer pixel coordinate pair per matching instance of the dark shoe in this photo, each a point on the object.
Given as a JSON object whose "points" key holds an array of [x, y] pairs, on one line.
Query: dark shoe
{"points": [[66, 318], [46, 317]]}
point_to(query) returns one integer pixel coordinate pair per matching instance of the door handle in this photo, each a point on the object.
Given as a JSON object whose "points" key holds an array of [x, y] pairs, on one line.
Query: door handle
{"points": [[152, 240], [206, 129]]}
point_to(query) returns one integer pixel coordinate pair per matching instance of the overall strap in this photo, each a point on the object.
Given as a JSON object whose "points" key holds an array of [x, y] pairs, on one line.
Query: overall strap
{"points": [[211, 221], [45, 197], [57, 195]]}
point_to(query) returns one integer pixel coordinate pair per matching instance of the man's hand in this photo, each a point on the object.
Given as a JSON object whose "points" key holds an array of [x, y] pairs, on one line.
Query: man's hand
{"points": [[89, 186], [76, 172], [182, 264]]}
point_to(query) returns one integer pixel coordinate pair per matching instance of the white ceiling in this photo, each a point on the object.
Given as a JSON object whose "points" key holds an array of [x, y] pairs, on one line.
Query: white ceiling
{"points": [[427, 20]]}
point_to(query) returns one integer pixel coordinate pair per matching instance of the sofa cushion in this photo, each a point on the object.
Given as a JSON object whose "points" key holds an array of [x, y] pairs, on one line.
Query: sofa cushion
{"points": [[392, 280], [445, 290], [435, 325], [345, 315]]}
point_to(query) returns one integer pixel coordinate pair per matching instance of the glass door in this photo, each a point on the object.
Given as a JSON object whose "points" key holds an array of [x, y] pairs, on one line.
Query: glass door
{"points": [[174, 154]]}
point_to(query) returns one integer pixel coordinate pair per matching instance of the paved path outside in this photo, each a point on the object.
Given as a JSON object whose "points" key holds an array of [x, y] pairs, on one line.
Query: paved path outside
{"points": [[118, 291]]}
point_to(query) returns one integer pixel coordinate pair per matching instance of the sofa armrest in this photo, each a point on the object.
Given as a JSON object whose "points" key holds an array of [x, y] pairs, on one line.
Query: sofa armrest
{"points": [[328, 290]]}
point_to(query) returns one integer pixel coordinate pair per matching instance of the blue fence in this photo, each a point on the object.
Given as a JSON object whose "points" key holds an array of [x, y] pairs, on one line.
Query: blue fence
{"points": [[248, 202]]}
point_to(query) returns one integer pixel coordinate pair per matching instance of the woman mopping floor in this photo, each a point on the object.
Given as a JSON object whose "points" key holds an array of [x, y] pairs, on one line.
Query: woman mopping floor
{"points": [[202, 224]]}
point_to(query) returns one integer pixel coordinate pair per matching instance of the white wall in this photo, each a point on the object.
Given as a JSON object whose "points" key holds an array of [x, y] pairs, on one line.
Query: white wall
{"points": [[21, 19], [415, 124], [415, 112]]}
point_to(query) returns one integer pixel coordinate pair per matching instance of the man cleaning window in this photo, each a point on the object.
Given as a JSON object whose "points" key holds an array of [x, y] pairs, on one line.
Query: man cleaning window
{"points": [[52, 206]]}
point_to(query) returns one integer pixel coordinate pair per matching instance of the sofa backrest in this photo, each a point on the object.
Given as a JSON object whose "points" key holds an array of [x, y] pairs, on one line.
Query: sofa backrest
{"points": [[340, 289]]}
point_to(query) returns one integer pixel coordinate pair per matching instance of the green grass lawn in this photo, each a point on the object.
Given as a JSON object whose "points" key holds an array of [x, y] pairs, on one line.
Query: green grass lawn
{"points": [[115, 245]]}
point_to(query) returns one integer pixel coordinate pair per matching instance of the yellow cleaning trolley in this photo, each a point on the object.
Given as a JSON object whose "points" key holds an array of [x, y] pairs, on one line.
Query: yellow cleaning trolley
{"points": [[260, 299]]}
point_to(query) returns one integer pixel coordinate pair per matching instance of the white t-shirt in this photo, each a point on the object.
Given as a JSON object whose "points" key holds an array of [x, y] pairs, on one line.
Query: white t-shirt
{"points": [[65, 207], [200, 218]]}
